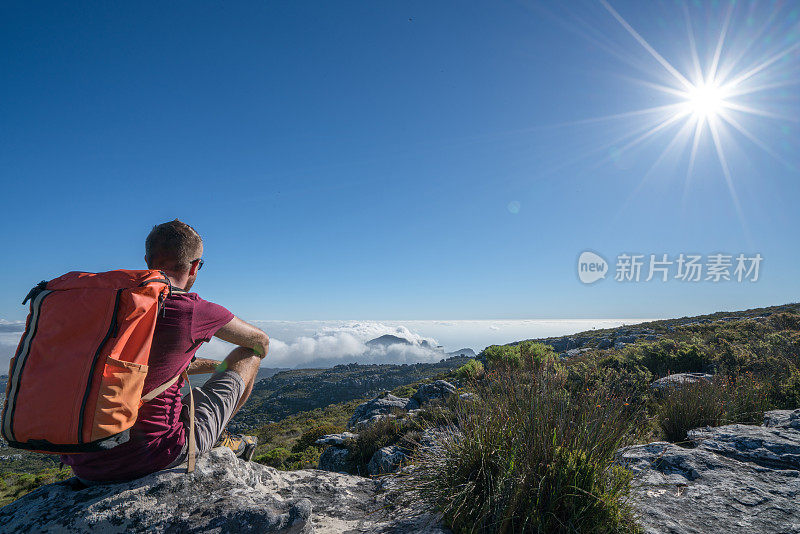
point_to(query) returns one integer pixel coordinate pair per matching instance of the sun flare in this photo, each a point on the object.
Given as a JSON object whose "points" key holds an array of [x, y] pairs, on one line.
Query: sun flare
{"points": [[705, 100], [718, 97]]}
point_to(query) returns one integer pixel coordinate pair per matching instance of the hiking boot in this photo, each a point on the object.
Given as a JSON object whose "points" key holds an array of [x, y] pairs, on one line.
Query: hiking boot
{"points": [[242, 446]]}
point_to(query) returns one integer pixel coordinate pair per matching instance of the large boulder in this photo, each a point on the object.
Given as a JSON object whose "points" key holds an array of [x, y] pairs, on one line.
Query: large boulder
{"points": [[223, 495], [776, 446], [336, 439], [384, 405], [386, 460], [737, 479], [679, 379], [336, 459], [440, 389]]}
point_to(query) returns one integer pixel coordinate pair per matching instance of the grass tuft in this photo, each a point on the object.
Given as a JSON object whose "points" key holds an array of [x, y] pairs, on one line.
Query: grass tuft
{"points": [[529, 457]]}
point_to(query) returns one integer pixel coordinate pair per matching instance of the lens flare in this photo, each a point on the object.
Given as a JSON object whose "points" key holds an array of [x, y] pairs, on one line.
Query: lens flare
{"points": [[705, 101], [718, 96]]}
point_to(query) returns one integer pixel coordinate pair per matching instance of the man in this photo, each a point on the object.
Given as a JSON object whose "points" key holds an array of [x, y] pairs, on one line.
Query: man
{"points": [[158, 440]]}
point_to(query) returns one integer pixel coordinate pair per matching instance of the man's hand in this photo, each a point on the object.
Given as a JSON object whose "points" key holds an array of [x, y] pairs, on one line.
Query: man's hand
{"points": [[245, 335]]}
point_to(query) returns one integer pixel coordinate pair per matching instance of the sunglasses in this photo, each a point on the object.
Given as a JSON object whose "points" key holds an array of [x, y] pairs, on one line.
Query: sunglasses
{"points": [[200, 263]]}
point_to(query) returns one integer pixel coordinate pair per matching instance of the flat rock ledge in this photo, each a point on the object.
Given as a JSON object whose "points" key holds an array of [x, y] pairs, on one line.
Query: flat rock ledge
{"points": [[737, 479], [223, 495]]}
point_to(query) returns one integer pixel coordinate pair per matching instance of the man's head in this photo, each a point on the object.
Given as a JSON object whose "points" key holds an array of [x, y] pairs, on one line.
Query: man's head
{"points": [[175, 248]]}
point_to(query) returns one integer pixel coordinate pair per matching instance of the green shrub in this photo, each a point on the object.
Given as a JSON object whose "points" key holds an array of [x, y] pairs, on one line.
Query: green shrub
{"points": [[534, 354], [274, 457], [305, 459], [472, 370], [15, 485], [529, 457], [666, 357], [377, 435], [527, 354], [502, 354], [720, 401]]}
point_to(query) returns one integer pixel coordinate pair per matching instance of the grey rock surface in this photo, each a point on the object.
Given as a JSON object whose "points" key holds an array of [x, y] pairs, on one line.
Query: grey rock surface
{"points": [[386, 460], [334, 459], [738, 479], [440, 389], [224, 494], [679, 379], [776, 446], [379, 406], [335, 439]]}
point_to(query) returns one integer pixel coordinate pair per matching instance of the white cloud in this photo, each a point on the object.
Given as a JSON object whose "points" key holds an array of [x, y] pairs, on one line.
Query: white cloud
{"points": [[336, 343]]}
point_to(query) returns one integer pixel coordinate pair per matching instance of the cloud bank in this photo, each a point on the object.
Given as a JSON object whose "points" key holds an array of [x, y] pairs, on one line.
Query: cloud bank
{"points": [[344, 343], [327, 343]]}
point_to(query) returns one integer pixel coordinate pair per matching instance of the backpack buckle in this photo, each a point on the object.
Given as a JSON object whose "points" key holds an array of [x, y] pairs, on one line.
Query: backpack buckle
{"points": [[35, 290]]}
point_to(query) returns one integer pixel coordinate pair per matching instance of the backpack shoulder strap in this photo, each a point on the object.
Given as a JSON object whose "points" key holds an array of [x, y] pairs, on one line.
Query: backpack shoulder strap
{"points": [[192, 451], [162, 388]]}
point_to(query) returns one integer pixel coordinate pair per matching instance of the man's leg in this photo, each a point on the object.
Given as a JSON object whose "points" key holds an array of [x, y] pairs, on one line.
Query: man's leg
{"points": [[221, 396], [245, 363]]}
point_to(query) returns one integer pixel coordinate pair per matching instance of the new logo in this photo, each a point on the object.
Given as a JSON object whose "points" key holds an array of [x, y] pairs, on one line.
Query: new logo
{"points": [[591, 267]]}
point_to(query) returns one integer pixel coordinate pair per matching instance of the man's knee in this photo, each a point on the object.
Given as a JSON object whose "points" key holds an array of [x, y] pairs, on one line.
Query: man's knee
{"points": [[245, 362]]}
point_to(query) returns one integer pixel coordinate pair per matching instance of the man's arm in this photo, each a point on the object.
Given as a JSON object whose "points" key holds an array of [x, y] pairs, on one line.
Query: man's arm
{"points": [[245, 335], [203, 366]]}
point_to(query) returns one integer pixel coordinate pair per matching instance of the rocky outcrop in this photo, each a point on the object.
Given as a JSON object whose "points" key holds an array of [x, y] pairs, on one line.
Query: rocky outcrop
{"points": [[440, 389], [679, 379], [377, 408], [386, 460], [335, 458], [737, 479], [335, 439], [224, 494]]}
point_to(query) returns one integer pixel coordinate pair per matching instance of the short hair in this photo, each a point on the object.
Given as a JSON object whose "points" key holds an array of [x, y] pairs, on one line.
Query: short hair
{"points": [[172, 245]]}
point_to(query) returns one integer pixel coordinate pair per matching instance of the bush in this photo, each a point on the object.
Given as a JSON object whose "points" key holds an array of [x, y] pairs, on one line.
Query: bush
{"points": [[666, 356], [720, 401], [472, 370], [15, 485], [526, 354], [274, 457], [502, 354], [376, 436], [529, 456]]}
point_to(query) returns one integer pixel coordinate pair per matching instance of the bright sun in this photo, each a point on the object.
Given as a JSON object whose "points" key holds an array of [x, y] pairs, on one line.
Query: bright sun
{"points": [[705, 100]]}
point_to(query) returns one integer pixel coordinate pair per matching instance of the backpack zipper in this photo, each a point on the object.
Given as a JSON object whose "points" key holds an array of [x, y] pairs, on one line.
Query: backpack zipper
{"points": [[112, 328]]}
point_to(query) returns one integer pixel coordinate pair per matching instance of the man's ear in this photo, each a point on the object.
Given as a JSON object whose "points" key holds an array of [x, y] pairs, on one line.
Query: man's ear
{"points": [[193, 268]]}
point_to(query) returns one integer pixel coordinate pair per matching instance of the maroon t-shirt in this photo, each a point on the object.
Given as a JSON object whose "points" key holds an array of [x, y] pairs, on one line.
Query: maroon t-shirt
{"points": [[158, 436]]}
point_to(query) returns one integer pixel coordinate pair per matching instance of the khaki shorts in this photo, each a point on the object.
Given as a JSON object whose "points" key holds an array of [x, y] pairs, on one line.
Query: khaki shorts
{"points": [[214, 403]]}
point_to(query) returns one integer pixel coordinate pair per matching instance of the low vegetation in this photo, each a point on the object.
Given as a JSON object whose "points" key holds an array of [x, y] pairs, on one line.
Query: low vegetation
{"points": [[532, 450], [529, 456], [15, 485], [719, 401]]}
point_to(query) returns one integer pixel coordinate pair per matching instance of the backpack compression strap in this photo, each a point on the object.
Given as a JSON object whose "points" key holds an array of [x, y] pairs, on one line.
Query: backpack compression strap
{"points": [[190, 456]]}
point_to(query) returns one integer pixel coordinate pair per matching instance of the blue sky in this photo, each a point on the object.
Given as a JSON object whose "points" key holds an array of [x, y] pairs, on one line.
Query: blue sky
{"points": [[362, 160]]}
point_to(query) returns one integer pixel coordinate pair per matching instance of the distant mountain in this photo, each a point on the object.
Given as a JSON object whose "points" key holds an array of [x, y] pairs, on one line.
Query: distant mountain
{"points": [[467, 352], [388, 339]]}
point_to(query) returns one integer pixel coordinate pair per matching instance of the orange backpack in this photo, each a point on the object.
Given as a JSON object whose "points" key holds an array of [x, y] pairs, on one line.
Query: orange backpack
{"points": [[75, 382]]}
